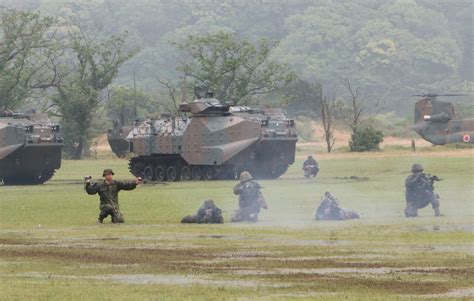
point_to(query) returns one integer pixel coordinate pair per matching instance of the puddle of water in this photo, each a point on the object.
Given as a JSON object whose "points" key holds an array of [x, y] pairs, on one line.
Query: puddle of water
{"points": [[458, 293], [154, 279]]}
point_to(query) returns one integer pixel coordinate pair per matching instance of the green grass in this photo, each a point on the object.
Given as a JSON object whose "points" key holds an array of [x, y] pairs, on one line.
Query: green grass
{"points": [[51, 248]]}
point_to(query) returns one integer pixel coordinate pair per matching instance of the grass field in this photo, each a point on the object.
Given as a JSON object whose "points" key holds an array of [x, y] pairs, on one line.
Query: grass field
{"points": [[51, 248]]}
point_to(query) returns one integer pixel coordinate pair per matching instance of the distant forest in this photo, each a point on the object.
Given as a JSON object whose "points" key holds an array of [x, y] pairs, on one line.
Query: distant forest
{"points": [[392, 48]]}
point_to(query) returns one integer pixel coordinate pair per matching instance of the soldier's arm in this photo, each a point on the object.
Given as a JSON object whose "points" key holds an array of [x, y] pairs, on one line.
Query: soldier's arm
{"points": [[412, 181], [201, 212], [126, 185], [91, 188], [238, 188]]}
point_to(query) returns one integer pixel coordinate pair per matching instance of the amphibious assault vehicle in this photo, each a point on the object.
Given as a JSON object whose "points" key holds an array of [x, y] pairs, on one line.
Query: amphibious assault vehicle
{"points": [[30, 148], [117, 138], [216, 142]]}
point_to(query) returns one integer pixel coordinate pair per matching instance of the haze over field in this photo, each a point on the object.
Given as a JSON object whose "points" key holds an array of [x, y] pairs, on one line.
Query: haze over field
{"points": [[339, 68]]}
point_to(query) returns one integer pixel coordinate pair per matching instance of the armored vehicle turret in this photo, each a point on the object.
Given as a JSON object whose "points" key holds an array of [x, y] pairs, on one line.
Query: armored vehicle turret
{"points": [[30, 148], [216, 142]]}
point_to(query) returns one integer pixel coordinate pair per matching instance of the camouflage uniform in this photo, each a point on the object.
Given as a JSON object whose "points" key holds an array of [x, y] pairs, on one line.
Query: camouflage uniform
{"points": [[250, 199], [108, 193], [311, 161], [419, 192], [208, 213], [329, 209]]}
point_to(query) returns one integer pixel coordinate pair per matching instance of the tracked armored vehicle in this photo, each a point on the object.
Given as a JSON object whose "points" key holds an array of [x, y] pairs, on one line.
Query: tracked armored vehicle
{"points": [[30, 148], [216, 142], [117, 138]]}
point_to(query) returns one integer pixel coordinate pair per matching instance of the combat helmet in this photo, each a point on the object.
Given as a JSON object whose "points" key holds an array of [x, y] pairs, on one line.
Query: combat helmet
{"points": [[209, 202], [416, 167], [245, 176], [107, 171]]}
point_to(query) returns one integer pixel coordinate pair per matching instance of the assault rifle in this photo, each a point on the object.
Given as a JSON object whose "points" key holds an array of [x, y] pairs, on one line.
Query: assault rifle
{"points": [[434, 178]]}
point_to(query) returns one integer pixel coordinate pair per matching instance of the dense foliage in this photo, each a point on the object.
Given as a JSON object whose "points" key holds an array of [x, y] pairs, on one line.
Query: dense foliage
{"points": [[235, 70], [394, 48], [248, 52], [365, 139], [27, 46]]}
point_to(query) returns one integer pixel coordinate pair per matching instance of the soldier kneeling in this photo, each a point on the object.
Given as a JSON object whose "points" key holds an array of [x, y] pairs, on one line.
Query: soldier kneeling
{"points": [[250, 199], [419, 192], [208, 213], [329, 209]]}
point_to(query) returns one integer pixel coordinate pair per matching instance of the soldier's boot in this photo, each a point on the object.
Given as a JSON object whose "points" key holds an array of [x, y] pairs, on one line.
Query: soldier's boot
{"points": [[117, 218], [411, 210], [253, 217], [437, 212]]}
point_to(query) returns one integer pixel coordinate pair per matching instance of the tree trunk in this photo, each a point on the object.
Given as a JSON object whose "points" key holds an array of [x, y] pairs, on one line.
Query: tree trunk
{"points": [[78, 152]]}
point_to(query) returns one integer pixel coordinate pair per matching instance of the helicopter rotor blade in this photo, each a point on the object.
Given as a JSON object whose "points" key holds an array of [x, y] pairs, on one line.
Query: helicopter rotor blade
{"points": [[456, 94], [434, 95]]}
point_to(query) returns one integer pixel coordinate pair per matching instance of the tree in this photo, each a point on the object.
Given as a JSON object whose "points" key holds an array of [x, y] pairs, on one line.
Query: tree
{"points": [[27, 50], [358, 108], [303, 98], [328, 107], [395, 47], [365, 139], [92, 67], [234, 70], [173, 93], [126, 104]]}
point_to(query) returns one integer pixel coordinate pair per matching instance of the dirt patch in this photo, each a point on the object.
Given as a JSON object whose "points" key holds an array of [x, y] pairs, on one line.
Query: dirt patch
{"points": [[348, 281], [468, 272], [346, 257], [320, 271], [128, 255], [248, 254]]}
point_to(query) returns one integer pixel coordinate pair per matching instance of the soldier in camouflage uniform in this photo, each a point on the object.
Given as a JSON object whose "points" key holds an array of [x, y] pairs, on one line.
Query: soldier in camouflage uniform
{"points": [[310, 167], [420, 192], [329, 209], [250, 199], [108, 190], [208, 213]]}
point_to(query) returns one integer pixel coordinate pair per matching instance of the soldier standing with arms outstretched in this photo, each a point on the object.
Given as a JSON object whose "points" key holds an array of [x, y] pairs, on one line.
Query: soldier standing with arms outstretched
{"points": [[108, 190]]}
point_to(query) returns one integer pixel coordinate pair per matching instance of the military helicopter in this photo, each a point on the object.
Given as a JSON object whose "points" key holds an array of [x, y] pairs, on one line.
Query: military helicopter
{"points": [[437, 122]]}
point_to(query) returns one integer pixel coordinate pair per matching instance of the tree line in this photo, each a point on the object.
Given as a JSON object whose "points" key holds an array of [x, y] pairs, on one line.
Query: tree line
{"points": [[67, 59], [70, 67]]}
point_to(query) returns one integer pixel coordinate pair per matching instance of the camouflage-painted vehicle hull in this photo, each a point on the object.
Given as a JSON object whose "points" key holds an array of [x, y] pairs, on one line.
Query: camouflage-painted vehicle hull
{"points": [[30, 148], [437, 122], [216, 143], [117, 138]]}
